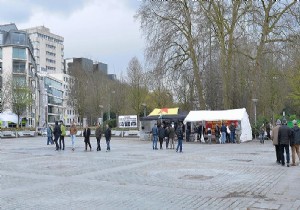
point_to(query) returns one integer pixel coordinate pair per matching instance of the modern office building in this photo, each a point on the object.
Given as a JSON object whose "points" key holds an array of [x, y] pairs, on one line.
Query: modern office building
{"points": [[18, 67], [48, 49]]}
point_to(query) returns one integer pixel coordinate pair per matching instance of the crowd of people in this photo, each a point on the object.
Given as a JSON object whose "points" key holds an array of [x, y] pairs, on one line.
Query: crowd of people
{"points": [[57, 135], [284, 137]]}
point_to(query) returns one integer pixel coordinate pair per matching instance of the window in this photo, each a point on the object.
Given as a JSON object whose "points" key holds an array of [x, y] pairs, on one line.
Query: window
{"points": [[19, 53], [0, 68], [0, 50], [1, 38], [19, 66], [19, 80], [19, 38]]}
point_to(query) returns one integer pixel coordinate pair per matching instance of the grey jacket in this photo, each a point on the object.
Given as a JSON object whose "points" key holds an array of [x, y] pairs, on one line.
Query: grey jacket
{"points": [[285, 135], [274, 135]]}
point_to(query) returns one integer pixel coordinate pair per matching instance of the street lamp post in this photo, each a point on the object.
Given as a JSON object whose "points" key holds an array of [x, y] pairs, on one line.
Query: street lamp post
{"points": [[144, 106], [113, 92], [101, 113]]}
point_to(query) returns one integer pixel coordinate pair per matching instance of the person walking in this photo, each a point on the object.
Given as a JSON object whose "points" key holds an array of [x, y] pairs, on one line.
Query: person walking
{"points": [[56, 133], [262, 134], [167, 136], [223, 133], [179, 134], [73, 132], [86, 135], [49, 135], [98, 134], [200, 131], [154, 132], [268, 130], [107, 137], [161, 135], [284, 138], [274, 138], [217, 134], [232, 132], [209, 135], [62, 136], [171, 137], [295, 143]]}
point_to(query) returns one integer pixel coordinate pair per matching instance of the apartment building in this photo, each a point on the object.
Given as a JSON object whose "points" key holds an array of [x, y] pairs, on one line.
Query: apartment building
{"points": [[48, 49], [17, 68]]}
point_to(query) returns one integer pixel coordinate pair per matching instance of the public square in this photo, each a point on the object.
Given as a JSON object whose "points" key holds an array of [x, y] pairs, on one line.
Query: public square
{"points": [[133, 176]]}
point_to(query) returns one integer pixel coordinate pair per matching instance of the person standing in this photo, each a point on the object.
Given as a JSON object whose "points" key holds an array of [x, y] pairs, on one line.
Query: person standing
{"points": [[161, 135], [295, 143], [232, 132], [73, 132], [262, 134], [56, 133], [49, 135], [200, 131], [268, 130], [98, 134], [223, 133], [86, 135], [284, 138], [107, 137], [179, 134], [217, 134], [209, 135], [62, 136], [154, 132], [167, 136], [172, 136], [274, 138]]}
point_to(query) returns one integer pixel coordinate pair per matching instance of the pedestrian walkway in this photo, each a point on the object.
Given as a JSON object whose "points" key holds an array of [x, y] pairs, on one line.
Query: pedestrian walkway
{"points": [[133, 176]]}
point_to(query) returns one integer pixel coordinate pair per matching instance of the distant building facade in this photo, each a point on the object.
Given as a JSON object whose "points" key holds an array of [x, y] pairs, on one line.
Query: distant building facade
{"points": [[48, 49]]}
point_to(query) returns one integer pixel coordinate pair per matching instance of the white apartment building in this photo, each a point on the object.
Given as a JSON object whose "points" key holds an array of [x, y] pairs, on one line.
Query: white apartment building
{"points": [[48, 49], [17, 65]]}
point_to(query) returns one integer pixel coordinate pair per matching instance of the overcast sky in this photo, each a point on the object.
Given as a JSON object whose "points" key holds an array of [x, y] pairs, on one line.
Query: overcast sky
{"points": [[102, 30]]}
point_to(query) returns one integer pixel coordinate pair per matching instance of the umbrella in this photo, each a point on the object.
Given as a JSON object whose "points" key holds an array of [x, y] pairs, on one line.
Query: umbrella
{"points": [[9, 116]]}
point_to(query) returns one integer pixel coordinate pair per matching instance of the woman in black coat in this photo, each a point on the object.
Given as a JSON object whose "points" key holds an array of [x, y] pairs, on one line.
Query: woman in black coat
{"points": [[86, 135]]}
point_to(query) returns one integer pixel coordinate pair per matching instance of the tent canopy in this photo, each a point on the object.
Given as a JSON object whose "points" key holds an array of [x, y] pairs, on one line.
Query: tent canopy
{"points": [[220, 115], [164, 111], [9, 116]]}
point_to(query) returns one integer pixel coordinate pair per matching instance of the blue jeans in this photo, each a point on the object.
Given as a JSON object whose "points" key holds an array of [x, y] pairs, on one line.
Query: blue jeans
{"points": [[49, 140], [73, 137], [154, 145], [262, 138], [232, 134], [179, 145], [108, 144], [223, 138]]}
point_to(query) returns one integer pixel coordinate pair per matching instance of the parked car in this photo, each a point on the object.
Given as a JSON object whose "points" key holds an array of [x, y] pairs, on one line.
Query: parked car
{"points": [[42, 131]]}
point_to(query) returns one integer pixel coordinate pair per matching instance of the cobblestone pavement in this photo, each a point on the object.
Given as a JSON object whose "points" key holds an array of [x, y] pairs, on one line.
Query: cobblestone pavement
{"points": [[133, 176]]}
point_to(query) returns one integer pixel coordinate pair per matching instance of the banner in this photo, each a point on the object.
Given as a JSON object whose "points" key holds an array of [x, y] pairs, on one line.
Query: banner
{"points": [[128, 121]]}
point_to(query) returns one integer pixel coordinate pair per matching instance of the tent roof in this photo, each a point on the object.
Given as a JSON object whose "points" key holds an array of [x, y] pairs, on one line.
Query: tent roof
{"points": [[164, 111], [179, 117], [206, 115]]}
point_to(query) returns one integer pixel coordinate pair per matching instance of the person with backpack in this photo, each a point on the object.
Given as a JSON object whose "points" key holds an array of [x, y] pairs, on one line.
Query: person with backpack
{"points": [[295, 143]]}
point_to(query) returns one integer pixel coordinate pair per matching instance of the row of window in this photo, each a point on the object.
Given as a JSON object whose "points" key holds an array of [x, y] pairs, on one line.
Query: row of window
{"points": [[50, 46], [50, 68], [49, 38], [50, 53], [70, 112], [50, 61]]}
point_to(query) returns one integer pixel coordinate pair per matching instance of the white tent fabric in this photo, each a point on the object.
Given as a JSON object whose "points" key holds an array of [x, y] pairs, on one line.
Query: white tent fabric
{"points": [[232, 114], [9, 116]]}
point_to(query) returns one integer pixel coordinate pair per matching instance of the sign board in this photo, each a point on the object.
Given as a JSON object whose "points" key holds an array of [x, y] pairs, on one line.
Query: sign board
{"points": [[128, 121]]}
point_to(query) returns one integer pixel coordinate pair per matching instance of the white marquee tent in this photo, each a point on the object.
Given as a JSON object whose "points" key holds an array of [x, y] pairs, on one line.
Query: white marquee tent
{"points": [[232, 114]]}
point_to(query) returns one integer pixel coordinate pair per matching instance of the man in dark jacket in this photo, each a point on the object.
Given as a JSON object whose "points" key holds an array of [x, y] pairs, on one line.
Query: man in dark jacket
{"points": [[107, 137], [284, 138], [295, 143], [232, 132], [200, 131], [56, 133], [98, 134], [161, 135], [223, 133], [154, 132], [179, 134], [86, 135]]}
